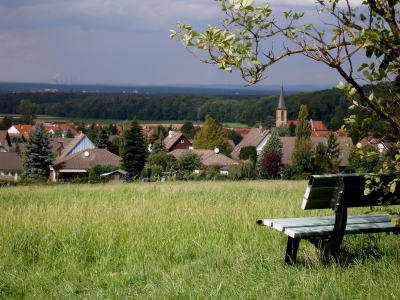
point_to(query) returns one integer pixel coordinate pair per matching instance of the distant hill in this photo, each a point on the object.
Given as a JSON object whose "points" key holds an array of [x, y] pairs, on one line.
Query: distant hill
{"points": [[216, 89]]}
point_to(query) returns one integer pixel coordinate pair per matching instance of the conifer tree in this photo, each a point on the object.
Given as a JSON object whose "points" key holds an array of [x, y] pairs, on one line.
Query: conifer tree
{"points": [[134, 150], [100, 138], [38, 156], [158, 145]]}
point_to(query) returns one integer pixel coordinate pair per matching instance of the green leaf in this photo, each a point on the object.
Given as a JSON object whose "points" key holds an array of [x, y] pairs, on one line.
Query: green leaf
{"points": [[393, 187]]}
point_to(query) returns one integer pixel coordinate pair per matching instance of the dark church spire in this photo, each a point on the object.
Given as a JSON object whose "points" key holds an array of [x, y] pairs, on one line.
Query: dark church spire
{"points": [[281, 103]]}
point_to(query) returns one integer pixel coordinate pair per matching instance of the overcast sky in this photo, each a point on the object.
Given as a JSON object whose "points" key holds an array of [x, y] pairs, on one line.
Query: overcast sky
{"points": [[125, 42]]}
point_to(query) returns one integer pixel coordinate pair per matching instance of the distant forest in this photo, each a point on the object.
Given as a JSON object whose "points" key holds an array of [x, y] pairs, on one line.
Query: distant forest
{"points": [[329, 106]]}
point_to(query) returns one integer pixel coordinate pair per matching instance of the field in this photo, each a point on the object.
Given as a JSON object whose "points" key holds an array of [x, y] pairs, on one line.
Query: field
{"points": [[176, 240], [46, 118]]}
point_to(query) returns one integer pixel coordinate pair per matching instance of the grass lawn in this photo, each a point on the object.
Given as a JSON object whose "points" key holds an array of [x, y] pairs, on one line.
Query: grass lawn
{"points": [[177, 240]]}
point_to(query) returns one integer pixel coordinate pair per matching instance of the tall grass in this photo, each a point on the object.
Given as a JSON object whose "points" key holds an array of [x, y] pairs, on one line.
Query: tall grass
{"points": [[176, 240]]}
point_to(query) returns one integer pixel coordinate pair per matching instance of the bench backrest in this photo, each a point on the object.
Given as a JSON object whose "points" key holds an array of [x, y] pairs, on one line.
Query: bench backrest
{"points": [[322, 191]]}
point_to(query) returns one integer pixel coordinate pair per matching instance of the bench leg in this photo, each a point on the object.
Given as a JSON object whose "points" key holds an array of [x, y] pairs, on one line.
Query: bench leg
{"points": [[291, 250]]}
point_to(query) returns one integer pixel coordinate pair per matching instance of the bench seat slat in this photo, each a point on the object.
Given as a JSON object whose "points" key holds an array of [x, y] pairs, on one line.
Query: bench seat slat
{"points": [[304, 222], [307, 232], [323, 226]]}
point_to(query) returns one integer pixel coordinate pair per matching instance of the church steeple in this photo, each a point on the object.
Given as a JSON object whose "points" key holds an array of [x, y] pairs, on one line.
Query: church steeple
{"points": [[281, 103], [281, 111]]}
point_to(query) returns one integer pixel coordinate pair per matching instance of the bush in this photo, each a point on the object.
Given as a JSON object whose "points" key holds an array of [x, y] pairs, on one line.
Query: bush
{"points": [[7, 182], [156, 173]]}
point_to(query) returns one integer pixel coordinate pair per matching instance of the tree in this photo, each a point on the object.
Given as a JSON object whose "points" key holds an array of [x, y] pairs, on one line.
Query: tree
{"points": [[69, 133], [158, 145], [333, 151], [189, 161], [210, 136], [321, 159], [271, 164], [234, 136], [245, 169], [188, 129], [28, 111], [100, 138], [6, 123], [363, 159], [282, 130], [273, 144], [134, 150], [163, 159], [248, 152], [38, 156], [269, 122], [159, 133], [303, 145]]}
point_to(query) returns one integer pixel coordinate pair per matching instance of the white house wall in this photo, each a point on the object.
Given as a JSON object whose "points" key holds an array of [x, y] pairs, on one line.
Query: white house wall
{"points": [[262, 144]]}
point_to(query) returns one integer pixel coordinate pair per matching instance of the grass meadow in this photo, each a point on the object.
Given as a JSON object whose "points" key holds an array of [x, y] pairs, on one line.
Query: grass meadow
{"points": [[177, 240]]}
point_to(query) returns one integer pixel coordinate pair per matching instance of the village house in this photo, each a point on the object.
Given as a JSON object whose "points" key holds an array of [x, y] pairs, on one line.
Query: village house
{"points": [[60, 128], [20, 131], [256, 137], [115, 176], [5, 141], [77, 164], [176, 140], [77, 144], [208, 157], [10, 165]]}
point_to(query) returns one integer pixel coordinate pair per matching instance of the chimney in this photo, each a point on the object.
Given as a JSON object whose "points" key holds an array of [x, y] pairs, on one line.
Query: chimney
{"points": [[61, 148]]}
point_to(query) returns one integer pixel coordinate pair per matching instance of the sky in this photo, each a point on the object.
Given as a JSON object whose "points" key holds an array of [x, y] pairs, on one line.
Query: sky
{"points": [[127, 42]]}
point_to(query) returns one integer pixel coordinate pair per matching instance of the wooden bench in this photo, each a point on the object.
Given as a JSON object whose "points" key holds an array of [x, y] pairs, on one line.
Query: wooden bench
{"points": [[336, 191]]}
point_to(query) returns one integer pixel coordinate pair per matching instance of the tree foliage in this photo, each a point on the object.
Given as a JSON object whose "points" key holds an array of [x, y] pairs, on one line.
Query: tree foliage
{"points": [[188, 129], [273, 144], [303, 145], [38, 156], [134, 149], [167, 161], [189, 161], [271, 164], [210, 136], [28, 111], [248, 152], [244, 170]]}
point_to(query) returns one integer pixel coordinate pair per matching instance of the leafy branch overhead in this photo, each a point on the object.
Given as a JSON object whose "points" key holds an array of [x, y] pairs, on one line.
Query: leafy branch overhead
{"points": [[244, 42]]}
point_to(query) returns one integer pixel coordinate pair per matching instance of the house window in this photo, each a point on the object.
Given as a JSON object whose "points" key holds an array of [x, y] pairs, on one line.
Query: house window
{"points": [[182, 141]]}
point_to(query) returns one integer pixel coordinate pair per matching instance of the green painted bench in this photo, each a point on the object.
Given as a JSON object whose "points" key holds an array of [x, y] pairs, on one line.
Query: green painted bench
{"points": [[336, 191]]}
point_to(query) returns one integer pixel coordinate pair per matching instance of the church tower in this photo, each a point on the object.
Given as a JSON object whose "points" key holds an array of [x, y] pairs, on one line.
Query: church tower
{"points": [[281, 111]]}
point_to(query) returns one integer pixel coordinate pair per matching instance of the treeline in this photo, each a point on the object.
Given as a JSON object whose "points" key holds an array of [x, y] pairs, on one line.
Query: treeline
{"points": [[330, 106]]}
